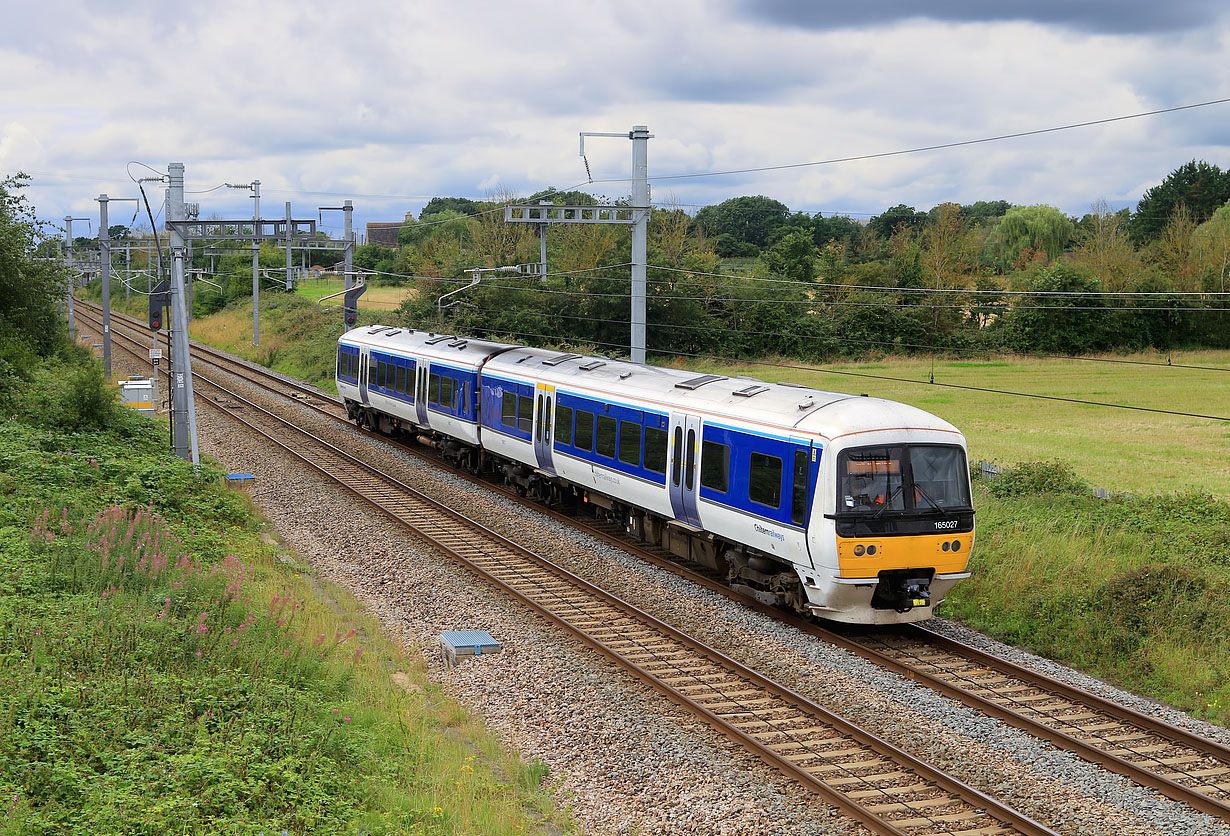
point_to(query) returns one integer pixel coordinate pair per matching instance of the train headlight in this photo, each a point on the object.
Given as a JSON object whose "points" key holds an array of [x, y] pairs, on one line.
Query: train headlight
{"points": [[859, 550], [872, 550], [945, 546], [956, 545]]}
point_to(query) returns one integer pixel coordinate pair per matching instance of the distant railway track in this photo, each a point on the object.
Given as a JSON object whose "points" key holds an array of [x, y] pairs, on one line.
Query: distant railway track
{"points": [[1179, 764]]}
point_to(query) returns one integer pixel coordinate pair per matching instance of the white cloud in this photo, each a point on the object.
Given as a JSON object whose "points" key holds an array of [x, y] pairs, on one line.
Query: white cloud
{"points": [[416, 100]]}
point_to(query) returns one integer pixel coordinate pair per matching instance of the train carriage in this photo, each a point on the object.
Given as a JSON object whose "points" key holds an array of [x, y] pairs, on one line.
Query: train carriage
{"points": [[847, 507]]}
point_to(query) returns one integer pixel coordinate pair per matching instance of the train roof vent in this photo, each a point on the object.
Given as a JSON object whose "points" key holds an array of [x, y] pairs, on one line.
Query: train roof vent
{"points": [[392, 332], [380, 328], [591, 365], [458, 343], [807, 404], [625, 375], [697, 382], [439, 339], [748, 391], [559, 358]]}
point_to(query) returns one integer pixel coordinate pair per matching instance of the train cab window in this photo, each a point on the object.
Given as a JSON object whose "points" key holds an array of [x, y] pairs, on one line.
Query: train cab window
{"points": [[606, 437], [584, 439], [715, 466], [446, 392], [764, 480], [525, 413], [655, 450], [630, 443], [508, 409], [563, 424], [798, 495], [433, 394], [341, 363], [401, 379], [677, 464]]}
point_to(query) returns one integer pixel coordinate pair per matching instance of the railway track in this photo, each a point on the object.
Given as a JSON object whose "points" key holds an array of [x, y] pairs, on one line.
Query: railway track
{"points": [[1177, 763], [871, 781]]}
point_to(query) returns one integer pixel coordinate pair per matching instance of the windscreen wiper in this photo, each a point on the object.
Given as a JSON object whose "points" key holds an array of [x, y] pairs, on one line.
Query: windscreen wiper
{"points": [[934, 504], [897, 490]]}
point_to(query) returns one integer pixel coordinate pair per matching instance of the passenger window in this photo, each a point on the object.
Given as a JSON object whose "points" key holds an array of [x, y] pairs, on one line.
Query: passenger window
{"points": [[525, 413], [462, 390], [798, 496], [446, 392], [563, 424], [678, 463], [354, 365], [341, 363], [585, 431], [715, 466], [508, 410], [630, 443], [371, 366], [655, 450], [433, 395], [606, 437], [401, 379], [764, 480]]}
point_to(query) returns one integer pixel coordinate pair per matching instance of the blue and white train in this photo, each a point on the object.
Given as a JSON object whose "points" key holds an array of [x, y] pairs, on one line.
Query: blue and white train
{"points": [[845, 507]]}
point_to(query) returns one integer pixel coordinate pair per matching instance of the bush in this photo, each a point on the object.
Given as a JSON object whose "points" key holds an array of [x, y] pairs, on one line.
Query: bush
{"points": [[1033, 478]]}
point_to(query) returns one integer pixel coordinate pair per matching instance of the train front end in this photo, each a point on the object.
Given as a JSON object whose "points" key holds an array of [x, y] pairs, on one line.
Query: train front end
{"points": [[893, 520]]}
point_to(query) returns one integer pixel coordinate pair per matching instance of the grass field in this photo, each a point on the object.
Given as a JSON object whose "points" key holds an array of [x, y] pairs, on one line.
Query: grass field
{"points": [[375, 298], [1117, 449]]}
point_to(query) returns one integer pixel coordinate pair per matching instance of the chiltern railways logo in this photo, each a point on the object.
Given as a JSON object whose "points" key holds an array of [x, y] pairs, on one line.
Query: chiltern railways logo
{"points": [[760, 529]]}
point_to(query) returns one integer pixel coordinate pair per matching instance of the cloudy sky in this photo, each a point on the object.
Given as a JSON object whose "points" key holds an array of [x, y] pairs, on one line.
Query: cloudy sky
{"points": [[391, 103]]}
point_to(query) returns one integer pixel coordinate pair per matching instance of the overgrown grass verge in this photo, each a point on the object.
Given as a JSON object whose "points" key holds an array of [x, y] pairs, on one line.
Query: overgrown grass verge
{"points": [[166, 669], [1133, 590]]}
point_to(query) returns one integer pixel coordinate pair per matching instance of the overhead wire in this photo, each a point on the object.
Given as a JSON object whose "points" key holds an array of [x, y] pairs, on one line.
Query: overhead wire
{"points": [[796, 367]]}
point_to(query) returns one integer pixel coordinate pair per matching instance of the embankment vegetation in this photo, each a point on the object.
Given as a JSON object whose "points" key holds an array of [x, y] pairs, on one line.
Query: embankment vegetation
{"points": [[167, 665]]}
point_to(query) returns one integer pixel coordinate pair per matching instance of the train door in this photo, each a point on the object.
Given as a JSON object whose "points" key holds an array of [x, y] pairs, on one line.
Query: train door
{"points": [[684, 467], [364, 361], [544, 427], [420, 394]]}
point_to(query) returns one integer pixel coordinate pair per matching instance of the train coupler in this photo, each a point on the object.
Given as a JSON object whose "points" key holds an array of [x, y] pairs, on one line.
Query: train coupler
{"points": [[903, 590]]}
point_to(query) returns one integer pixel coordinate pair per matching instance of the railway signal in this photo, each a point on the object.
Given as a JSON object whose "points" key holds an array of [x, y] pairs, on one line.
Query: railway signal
{"points": [[159, 298]]}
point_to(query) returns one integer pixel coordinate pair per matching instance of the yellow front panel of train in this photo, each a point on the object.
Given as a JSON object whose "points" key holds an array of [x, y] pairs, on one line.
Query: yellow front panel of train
{"points": [[866, 557]]}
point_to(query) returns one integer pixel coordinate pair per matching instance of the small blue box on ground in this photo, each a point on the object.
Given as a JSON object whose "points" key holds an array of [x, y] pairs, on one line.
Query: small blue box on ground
{"points": [[455, 645], [240, 479]]}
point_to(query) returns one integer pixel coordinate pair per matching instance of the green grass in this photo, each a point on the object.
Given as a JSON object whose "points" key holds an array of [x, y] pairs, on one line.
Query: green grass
{"points": [[1135, 591], [169, 668]]}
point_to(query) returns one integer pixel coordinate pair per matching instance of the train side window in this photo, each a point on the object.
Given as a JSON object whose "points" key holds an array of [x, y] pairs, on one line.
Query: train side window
{"points": [[630, 443], [585, 431], [401, 380], [380, 367], [655, 450], [525, 413], [546, 423], [460, 390], [371, 366], [354, 366], [715, 466], [433, 395], [446, 391], [540, 421], [508, 409], [764, 480], [605, 438], [798, 496], [563, 424], [341, 363], [677, 466]]}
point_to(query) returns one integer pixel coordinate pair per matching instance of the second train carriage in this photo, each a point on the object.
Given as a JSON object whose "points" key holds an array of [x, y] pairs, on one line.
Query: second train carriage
{"points": [[851, 508]]}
